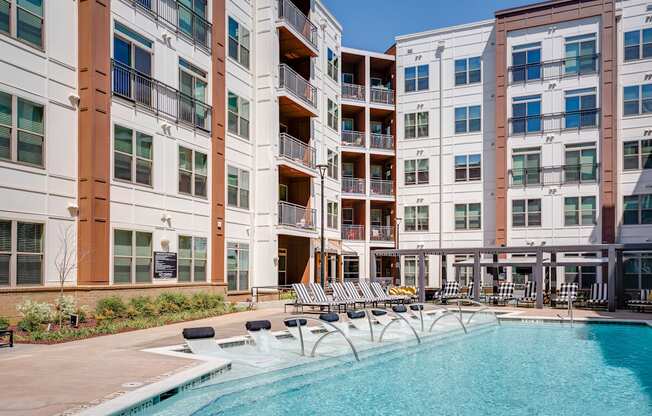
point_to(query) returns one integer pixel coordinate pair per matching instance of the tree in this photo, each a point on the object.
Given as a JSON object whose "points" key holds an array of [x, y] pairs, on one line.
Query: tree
{"points": [[66, 261]]}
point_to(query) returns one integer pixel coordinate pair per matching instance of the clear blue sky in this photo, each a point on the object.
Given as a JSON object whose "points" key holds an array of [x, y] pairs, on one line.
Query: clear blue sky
{"points": [[373, 24]]}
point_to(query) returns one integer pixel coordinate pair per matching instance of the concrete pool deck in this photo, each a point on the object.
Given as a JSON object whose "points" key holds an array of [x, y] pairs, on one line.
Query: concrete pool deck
{"points": [[65, 378]]}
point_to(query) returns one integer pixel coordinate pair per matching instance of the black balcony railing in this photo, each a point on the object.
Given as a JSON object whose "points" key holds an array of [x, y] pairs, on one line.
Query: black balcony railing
{"points": [[554, 175], [296, 150], [556, 69], [543, 123], [291, 14], [183, 19], [164, 100]]}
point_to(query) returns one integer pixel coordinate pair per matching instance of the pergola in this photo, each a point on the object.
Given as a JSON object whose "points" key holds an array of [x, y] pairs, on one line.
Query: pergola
{"points": [[609, 255]]}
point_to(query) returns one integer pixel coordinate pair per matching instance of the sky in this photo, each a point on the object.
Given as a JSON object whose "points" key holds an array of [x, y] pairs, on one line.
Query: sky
{"points": [[373, 24]]}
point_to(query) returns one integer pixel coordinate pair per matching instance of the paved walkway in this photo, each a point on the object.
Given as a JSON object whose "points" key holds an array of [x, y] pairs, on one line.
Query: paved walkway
{"points": [[51, 379]]}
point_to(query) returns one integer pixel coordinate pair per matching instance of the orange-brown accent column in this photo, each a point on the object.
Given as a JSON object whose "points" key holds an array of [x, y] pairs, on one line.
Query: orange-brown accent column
{"points": [[94, 141], [218, 145]]}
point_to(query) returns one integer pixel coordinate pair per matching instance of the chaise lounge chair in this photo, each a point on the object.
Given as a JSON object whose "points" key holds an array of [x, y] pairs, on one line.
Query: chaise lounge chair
{"points": [[304, 299], [451, 290], [380, 293], [340, 294], [643, 302], [530, 294], [567, 293], [320, 296], [599, 296], [505, 293]]}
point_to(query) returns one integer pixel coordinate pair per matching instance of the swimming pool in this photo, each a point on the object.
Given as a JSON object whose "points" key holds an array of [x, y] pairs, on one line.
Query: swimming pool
{"points": [[515, 369]]}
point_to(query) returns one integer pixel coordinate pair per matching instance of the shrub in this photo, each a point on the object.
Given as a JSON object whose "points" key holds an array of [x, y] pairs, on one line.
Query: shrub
{"points": [[110, 308], [4, 323], [172, 302], [64, 306], [82, 312], [33, 315], [143, 306], [204, 301]]}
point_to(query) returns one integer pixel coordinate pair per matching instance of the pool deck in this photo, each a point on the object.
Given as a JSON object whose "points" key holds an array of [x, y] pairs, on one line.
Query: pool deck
{"points": [[66, 378]]}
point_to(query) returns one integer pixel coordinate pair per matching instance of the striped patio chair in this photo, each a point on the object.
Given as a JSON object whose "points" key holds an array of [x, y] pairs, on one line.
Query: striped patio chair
{"points": [[530, 294], [378, 290], [369, 295], [642, 302], [304, 298], [505, 293], [451, 290], [567, 292], [340, 294], [320, 296], [469, 291], [599, 296], [354, 293]]}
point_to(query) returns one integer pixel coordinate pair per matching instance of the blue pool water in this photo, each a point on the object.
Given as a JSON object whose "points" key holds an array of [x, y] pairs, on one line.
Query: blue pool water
{"points": [[515, 369]]}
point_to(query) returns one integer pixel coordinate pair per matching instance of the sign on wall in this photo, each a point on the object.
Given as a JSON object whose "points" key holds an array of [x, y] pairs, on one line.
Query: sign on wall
{"points": [[165, 265]]}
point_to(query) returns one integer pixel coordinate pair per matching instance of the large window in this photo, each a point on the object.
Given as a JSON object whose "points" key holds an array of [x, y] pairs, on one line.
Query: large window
{"points": [[580, 54], [468, 168], [132, 256], [584, 276], [193, 172], [239, 39], [193, 83], [238, 188], [468, 119], [526, 213], [332, 215], [23, 19], [351, 265], [581, 109], [333, 65], [638, 271], [21, 253], [580, 163], [132, 155], [333, 115], [638, 44], [21, 130], [132, 72], [468, 216], [416, 172], [191, 263], [526, 166], [411, 270], [579, 210], [526, 114], [192, 19], [333, 161], [416, 78], [637, 99], [416, 218], [637, 154], [238, 116], [416, 125], [637, 209], [526, 62], [468, 71], [237, 266]]}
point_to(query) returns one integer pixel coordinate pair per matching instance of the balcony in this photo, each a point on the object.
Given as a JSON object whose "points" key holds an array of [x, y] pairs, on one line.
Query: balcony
{"points": [[554, 175], [164, 100], [382, 233], [296, 27], [297, 151], [181, 18], [557, 69], [353, 92], [554, 122], [296, 216], [382, 141], [353, 232], [353, 138], [382, 96], [353, 186], [381, 187], [303, 92]]}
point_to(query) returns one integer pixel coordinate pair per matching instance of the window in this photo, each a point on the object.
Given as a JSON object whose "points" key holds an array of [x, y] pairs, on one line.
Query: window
{"points": [[416, 172], [333, 115], [579, 211], [193, 172], [191, 263], [347, 216], [637, 209], [238, 116], [192, 20], [23, 19], [411, 270], [348, 78], [526, 62], [416, 125], [526, 166], [581, 109], [333, 66], [468, 217], [584, 276], [467, 168], [193, 85], [238, 43], [467, 119], [526, 114], [634, 48], [132, 54], [237, 266], [351, 266], [637, 154], [580, 163], [580, 55], [21, 130], [416, 218], [526, 213], [348, 124], [637, 271], [332, 215], [132, 256], [637, 99], [21, 253], [463, 274], [238, 188], [416, 78], [468, 71], [132, 155], [333, 164]]}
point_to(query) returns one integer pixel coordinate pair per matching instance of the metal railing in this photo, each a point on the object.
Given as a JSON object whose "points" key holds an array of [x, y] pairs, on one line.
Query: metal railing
{"points": [[296, 150], [297, 216], [542, 123], [183, 19], [291, 14], [297, 85], [381, 187], [353, 92], [352, 232], [382, 95], [164, 100], [555, 69], [554, 175], [281, 292], [382, 141], [382, 233], [353, 138], [353, 186]]}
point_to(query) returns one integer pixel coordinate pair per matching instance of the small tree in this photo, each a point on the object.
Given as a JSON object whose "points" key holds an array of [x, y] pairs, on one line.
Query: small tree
{"points": [[66, 262]]}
